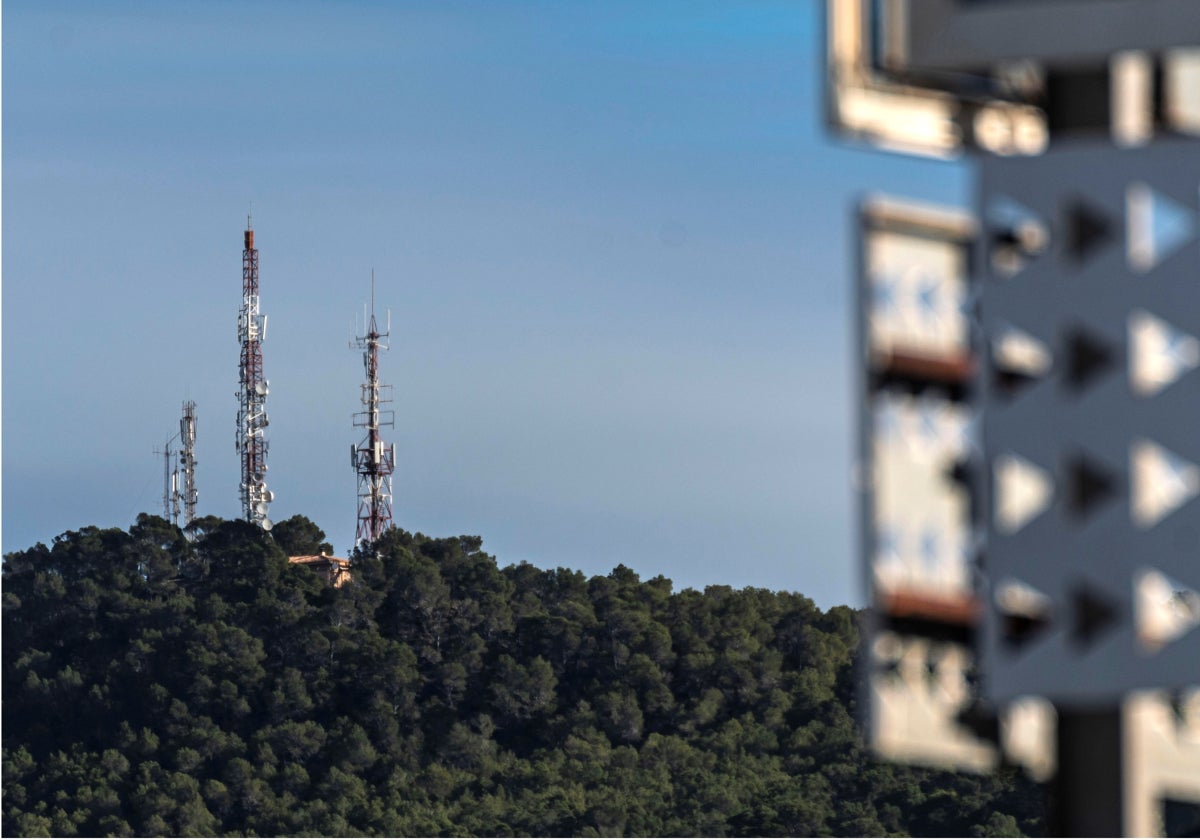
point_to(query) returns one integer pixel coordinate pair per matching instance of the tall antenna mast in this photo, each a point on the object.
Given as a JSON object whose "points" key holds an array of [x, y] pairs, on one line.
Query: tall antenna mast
{"points": [[373, 460], [251, 441], [170, 483], [187, 460]]}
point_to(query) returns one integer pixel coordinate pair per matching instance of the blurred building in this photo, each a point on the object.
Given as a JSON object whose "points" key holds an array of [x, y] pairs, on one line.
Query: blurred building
{"points": [[334, 570]]}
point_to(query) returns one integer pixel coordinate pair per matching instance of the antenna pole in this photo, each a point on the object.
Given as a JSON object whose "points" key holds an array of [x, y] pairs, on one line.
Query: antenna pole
{"points": [[167, 453], [251, 440], [187, 461], [170, 483], [373, 460]]}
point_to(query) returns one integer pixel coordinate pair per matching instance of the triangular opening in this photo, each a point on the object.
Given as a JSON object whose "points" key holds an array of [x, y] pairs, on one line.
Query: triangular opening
{"points": [[1018, 360], [1023, 491], [1011, 382], [889, 651], [1158, 353], [883, 294], [931, 671], [1088, 229], [1088, 486], [928, 300], [959, 472], [1162, 482], [1025, 612], [890, 669], [1156, 226], [1018, 235], [1185, 707], [1087, 358], [981, 721], [1094, 615], [946, 672], [1165, 609]]}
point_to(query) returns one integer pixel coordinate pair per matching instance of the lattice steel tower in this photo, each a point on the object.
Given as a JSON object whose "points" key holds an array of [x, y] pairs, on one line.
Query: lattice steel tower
{"points": [[373, 460], [187, 461], [251, 441]]}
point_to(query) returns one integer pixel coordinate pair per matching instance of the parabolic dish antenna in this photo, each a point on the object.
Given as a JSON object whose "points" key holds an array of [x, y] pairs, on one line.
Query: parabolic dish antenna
{"points": [[267, 524], [261, 507]]}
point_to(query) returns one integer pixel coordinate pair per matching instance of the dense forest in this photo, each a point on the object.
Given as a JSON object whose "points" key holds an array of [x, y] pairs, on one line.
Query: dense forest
{"points": [[160, 685]]}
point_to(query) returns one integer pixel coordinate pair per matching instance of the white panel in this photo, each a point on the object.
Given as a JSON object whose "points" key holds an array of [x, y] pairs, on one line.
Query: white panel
{"points": [[917, 295], [1023, 491], [1162, 756], [1027, 735], [1162, 481], [1156, 226], [1182, 89], [921, 513], [1158, 353], [1017, 351], [1166, 609], [918, 687]]}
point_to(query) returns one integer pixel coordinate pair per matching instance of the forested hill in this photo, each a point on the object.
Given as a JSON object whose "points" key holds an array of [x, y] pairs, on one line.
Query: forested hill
{"points": [[154, 685]]}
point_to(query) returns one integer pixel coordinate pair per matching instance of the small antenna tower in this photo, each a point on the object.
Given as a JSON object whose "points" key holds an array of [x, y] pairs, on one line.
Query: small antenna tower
{"points": [[373, 460], [170, 482], [187, 461], [251, 440]]}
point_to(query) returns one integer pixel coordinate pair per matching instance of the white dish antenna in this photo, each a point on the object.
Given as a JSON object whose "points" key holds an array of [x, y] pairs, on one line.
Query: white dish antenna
{"points": [[267, 524]]}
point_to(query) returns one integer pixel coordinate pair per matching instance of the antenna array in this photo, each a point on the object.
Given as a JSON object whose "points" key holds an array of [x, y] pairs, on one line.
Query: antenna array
{"points": [[187, 461], [252, 421], [170, 482], [372, 459]]}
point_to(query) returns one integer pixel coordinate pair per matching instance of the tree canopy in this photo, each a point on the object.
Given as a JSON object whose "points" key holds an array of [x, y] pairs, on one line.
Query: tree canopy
{"points": [[159, 685]]}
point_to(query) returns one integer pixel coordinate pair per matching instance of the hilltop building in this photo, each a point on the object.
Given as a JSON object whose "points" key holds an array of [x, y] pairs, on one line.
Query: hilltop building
{"points": [[335, 570]]}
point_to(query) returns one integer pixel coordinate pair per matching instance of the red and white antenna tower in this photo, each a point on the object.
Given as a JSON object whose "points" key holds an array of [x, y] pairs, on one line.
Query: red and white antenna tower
{"points": [[187, 461], [252, 396], [373, 459]]}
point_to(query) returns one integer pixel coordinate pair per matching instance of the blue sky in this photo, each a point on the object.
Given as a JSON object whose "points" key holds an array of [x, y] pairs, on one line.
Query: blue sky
{"points": [[614, 238]]}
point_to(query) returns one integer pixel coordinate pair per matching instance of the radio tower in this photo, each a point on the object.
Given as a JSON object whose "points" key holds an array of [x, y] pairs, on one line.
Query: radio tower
{"points": [[373, 460], [187, 460], [252, 396]]}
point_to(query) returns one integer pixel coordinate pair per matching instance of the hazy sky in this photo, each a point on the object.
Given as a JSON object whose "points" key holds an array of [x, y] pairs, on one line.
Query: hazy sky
{"points": [[614, 238]]}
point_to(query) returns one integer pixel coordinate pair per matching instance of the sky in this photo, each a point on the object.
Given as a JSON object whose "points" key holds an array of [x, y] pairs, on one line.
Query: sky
{"points": [[615, 240]]}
